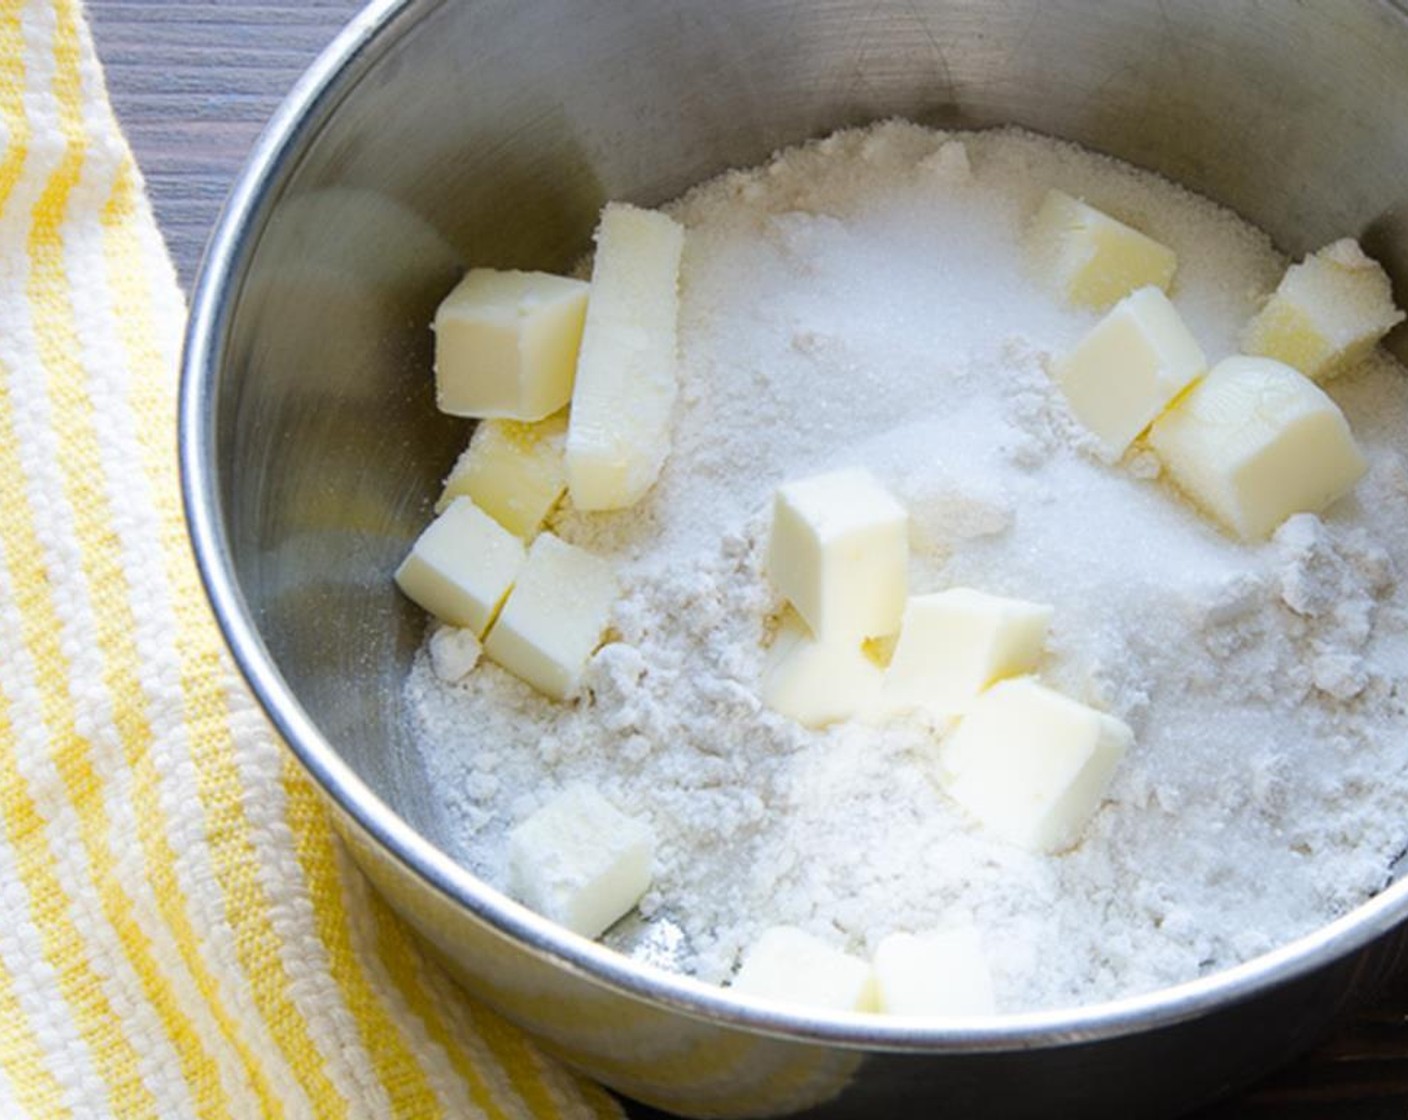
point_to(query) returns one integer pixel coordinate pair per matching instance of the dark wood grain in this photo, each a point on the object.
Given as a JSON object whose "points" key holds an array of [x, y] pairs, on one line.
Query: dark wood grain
{"points": [[193, 84], [1361, 1073]]}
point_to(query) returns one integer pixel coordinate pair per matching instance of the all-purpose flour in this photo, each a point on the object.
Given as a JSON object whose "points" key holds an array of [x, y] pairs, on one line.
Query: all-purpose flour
{"points": [[866, 300]]}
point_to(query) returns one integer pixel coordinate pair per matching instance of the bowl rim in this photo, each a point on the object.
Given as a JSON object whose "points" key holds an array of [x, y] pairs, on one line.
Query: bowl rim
{"points": [[273, 159]]}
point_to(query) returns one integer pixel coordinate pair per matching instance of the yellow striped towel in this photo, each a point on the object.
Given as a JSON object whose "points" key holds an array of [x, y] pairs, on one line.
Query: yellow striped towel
{"points": [[181, 934]]}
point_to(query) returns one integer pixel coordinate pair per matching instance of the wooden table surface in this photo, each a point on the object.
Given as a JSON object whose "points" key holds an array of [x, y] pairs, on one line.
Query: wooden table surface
{"points": [[193, 82]]}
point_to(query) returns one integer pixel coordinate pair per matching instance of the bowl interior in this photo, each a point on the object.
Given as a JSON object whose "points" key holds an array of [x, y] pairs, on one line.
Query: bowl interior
{"points": [[491, 133]]}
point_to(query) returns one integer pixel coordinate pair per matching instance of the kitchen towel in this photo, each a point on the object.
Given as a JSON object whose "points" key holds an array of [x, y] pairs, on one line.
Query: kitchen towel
{"points": [[182, 935]]}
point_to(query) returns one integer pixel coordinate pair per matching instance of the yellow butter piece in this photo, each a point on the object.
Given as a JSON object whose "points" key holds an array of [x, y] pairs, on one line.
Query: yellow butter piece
{"points": [[1092, 258], [1128, 369], [580, 861], [1327, 313], [506, 344], [461, 566], [839, 553], [553, 619], [619, 432], [1031, 764], [1254, 442], [941, 972], [513, 471], [818, 683], [791, 966], [955, 643]]}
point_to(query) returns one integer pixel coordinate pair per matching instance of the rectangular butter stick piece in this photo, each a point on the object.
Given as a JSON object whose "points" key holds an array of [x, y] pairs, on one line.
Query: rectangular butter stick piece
{"points": [[513, 472], [791, 966], [1030, 764], [619, 429], [1255, 442], [1092, 258], [580, 861], [1327, 314], [553, 618], [506, 343]]}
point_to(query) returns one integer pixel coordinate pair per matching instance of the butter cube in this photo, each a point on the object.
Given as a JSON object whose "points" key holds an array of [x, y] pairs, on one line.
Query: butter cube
{"points": [[580, 861], [619, 432], [817, 683], [1255, 442], [513, 471], [955, 643], [944, 972], [1031, 764], [462, 566], [1092, 258], [506, 344], [1327, 313], [792, 966], [1125, 372], [554, 617], [839, 554]]}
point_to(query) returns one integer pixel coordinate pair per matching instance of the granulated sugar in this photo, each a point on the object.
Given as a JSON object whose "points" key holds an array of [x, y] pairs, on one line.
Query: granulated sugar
{"points": [[866, 300]]}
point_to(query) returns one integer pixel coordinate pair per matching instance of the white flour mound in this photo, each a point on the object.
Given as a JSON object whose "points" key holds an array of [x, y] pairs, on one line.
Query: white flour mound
{"points": [[866, 300]]}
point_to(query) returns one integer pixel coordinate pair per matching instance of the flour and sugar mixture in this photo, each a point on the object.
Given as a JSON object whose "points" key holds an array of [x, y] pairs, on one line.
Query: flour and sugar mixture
{"points": [[866, 300]]}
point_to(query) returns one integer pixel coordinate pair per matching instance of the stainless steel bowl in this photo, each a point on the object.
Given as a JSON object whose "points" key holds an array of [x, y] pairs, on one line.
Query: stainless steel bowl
{"points": [[435, 133]]}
